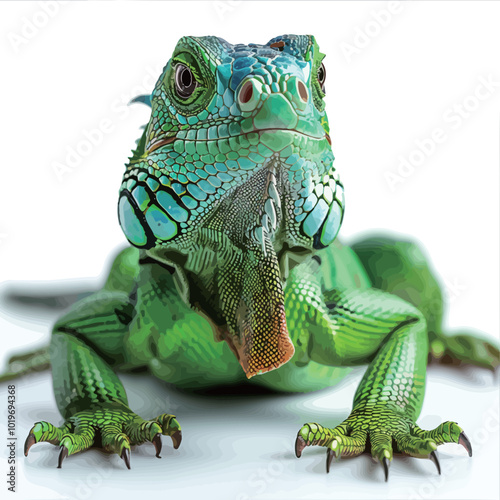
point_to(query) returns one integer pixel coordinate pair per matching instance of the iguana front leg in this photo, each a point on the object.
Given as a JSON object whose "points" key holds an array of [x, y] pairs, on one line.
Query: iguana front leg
{"points": [[355, 327], [91, 398]]}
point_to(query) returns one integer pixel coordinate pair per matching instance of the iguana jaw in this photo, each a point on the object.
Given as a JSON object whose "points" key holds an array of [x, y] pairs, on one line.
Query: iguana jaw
{"points": [[167, 140]]}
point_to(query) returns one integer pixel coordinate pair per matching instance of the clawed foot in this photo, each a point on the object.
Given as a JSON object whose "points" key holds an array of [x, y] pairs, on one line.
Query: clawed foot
{"points": [[381, 433], [113, 428]]}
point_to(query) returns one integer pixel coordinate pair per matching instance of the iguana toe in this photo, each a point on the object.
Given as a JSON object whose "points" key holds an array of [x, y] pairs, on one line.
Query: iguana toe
{"points": [[447, 432], [434, 458], [44, 432], [125, 456], [386, 463], [380, 432], [464, 441], [117, 426], [300, 444], [329, 457], [170, 427], [30, 441], [157, 444], [177, 438], [62, 455]]}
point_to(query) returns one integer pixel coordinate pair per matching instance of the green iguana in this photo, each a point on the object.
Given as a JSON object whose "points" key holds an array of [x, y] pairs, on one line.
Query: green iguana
{"points": [[232, 205]]}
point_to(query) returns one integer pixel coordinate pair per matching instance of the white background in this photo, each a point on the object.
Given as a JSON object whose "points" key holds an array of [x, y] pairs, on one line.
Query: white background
{"points": [[74, 74]]}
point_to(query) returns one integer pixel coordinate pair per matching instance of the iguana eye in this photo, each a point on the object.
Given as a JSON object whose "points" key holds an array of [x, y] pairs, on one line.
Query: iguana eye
{"points": [[322, 76], [185, 82]]}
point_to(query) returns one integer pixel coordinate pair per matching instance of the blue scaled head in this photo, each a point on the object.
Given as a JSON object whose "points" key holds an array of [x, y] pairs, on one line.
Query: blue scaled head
{"points": [[238, 143]]}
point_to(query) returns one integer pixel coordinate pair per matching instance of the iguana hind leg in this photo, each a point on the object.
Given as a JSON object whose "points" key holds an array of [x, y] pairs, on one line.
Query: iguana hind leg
{"points": [[401, 268]]}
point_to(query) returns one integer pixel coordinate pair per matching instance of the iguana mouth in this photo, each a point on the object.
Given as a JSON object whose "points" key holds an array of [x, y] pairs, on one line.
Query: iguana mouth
{"points": [[169, 140], [159, 143], [318, 138]]}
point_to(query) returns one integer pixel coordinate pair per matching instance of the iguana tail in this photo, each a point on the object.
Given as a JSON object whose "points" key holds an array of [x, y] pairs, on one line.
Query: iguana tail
{"points": [[28, 362], [46, 301]]}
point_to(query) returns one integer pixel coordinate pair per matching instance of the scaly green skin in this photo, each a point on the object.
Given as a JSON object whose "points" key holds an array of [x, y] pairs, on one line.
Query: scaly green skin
{"points": [[233, 203]]}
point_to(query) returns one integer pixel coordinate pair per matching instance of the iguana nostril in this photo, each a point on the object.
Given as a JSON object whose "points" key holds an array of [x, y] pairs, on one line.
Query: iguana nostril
{"points": [[249, 94], [246, 92], [304, 94]]}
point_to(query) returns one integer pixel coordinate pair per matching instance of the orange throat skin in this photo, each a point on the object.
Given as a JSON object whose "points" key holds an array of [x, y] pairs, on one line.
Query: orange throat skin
{"points": [[262, 346]]}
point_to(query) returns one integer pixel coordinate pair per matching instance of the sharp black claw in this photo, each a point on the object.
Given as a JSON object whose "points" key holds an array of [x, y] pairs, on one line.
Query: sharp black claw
{"points": [[464, 441], [434, 458], [300, 444], [126, 457], [30, 441], [329, 458], [385, 463], [62, 456], [177, 439], [157, 443]]}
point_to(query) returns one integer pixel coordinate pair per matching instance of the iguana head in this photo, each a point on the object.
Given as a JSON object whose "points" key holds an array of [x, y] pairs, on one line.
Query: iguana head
{"points": [[233, 180]]}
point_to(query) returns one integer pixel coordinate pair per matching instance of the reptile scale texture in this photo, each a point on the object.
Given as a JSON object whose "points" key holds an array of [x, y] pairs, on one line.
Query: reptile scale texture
{"points": [[232, 205]]}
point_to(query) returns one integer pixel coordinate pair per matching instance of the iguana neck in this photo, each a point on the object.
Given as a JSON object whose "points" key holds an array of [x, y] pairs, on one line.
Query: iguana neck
{"points": [[231, 271]]}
